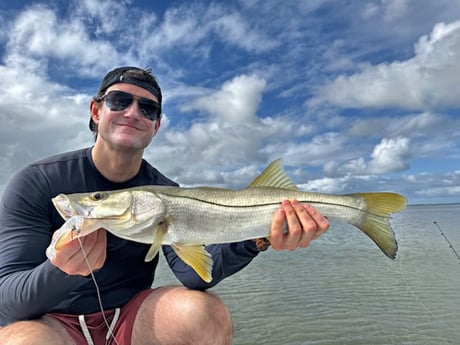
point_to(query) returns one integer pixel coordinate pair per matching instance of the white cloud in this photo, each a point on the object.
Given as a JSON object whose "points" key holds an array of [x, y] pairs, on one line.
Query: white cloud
{"points": [[196, 27], [38, 33], [104, 17], [236, 30], [314, 152], [236, 102], [389, 156], [341, 185], [442, 187], [426, 81], [394, 9], [228, 131], [388, 9], [439, 191]]}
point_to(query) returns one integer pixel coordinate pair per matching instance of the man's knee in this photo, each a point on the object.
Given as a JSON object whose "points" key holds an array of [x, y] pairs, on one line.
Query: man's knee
{"points": [[33, 333], [201, 312], [195, 317], [206, 310]]}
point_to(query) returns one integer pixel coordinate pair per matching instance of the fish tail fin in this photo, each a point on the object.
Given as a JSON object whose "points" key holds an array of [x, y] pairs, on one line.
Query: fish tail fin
{"points": [[376, 224]]}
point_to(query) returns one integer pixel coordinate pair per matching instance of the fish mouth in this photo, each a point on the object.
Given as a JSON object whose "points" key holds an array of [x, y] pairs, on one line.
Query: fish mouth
{"points": [[62, 205], [67, 209]]}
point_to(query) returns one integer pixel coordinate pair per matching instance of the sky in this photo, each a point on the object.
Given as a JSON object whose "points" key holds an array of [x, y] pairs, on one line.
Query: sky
{"points": [[354, 96]]}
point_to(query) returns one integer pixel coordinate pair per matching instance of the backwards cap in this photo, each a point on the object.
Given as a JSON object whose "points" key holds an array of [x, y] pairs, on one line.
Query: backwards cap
{"points": [[142, 78], [130, 75]]}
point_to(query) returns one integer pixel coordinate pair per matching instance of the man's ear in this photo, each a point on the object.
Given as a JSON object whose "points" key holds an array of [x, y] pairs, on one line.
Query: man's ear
{"points": [[157, 125], [94, 111]]}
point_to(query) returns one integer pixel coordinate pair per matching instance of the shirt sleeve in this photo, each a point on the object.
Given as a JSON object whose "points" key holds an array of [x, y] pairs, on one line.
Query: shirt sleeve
{"points": [[30, 285], [228, 258]]}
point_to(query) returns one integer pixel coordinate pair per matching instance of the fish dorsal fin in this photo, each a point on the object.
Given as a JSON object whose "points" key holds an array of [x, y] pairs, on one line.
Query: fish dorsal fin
{"points": [[196, 257], [274, 176]]}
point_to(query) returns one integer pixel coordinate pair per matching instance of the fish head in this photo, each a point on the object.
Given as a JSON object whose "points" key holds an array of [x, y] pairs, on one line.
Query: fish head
{"points": [[93, 205], [124, 212]]}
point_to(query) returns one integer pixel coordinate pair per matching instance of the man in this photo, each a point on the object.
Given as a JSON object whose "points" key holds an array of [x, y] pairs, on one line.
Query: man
{"points": [[56, 301]]}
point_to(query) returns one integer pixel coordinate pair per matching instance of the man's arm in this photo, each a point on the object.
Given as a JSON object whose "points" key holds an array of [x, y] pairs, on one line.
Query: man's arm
{"points": [[29, 284]]}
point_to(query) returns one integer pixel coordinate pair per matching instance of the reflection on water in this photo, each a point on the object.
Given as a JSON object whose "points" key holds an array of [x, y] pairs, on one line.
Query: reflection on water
{"points": [[343, 290]]}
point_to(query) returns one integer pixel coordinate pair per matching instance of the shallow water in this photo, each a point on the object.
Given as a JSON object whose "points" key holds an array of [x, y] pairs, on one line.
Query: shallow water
{"points": [[343, 290]]}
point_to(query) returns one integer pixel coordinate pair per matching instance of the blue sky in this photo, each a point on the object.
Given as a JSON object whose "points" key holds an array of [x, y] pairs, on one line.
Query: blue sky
{"points": [[354, 96]]}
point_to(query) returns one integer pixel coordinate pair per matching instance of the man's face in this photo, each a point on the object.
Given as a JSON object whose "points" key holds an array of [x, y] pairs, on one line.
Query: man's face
{"points": [[126, 129]]}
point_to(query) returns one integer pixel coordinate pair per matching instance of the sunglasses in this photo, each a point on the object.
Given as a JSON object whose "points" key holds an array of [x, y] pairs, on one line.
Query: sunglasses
{"points": [[119, 101]]}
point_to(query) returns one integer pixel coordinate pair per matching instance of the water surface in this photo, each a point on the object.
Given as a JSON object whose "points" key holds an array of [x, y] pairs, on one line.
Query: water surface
{"points": [[343, 290]]}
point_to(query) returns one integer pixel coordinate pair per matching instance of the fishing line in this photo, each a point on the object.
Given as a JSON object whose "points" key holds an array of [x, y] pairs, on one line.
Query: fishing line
{"points": [[450, 244], [412, 292], [98, 293]]}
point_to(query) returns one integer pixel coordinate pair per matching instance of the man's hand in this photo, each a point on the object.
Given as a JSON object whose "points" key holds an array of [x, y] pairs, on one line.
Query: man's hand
{"points": [[304, 222], [70, 257]]}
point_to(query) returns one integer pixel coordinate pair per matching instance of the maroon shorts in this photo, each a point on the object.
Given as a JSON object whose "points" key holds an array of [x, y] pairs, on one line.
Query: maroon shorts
{"points": [[97, 327]]}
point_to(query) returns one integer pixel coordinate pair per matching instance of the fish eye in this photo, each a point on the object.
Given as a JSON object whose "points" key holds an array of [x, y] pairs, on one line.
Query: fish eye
{"points": [[97, 196]]}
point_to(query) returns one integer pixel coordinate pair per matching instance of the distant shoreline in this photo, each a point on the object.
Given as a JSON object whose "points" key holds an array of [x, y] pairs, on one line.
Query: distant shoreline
{"points": [[438, 204]]}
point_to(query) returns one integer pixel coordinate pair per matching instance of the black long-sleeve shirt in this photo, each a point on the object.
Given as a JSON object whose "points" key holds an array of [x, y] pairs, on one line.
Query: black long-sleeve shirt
{"points": [[31, 286]]}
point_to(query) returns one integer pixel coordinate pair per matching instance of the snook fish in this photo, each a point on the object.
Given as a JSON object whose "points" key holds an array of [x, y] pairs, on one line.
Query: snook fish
{"points": [[189, 218]]}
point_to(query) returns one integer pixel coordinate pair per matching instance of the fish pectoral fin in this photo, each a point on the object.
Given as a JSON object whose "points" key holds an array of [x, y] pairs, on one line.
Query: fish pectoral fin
{"points": [[159, 232], [153, 251], [196, 257]]}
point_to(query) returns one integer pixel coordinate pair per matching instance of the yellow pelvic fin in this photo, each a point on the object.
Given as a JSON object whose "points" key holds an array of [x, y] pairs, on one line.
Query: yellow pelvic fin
{"points": [[274, 176], [196, 257], [377, 223], [159, 234]]}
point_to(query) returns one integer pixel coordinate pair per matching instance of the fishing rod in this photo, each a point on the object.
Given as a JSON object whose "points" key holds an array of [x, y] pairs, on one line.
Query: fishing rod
{"points": [[450, 244]]}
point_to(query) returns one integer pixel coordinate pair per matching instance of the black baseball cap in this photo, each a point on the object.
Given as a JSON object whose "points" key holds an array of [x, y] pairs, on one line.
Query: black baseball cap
{"points": [[131, 75]]}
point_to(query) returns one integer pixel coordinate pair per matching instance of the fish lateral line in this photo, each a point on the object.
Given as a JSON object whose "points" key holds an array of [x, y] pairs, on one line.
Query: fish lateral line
{"points": [[248, 205]]}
